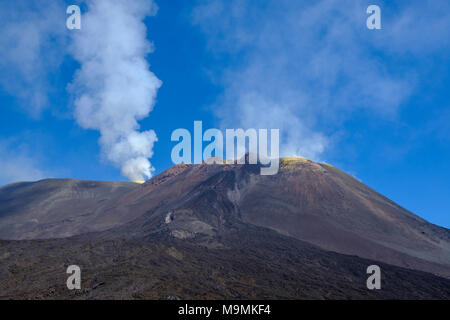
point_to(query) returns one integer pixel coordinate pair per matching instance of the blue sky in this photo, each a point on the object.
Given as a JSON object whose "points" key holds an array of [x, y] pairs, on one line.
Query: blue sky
{"points": [[375, 103]]}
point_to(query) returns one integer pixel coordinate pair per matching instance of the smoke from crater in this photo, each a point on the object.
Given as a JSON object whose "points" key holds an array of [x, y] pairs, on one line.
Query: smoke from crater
{"points": [[114, 87]]}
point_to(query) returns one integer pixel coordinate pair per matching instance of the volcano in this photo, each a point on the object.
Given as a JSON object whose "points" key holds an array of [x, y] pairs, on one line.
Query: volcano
{"points": [[219, 231]]}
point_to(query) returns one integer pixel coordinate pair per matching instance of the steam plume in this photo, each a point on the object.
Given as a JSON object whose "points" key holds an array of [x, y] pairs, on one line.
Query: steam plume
{"points": [[114, 87]]}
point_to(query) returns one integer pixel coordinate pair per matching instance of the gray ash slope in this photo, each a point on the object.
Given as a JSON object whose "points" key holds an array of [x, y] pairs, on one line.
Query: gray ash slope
{"points": [[214, 231], [57, 208]]}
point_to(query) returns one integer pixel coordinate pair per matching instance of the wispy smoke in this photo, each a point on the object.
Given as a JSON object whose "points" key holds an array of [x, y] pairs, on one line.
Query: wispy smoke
{"points": [[114, 87], [306, 67]]}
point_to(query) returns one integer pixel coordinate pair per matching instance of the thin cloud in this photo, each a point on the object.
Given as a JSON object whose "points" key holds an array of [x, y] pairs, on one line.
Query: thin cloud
{"points": [[306, 67], [18, 164], [32, 46]]}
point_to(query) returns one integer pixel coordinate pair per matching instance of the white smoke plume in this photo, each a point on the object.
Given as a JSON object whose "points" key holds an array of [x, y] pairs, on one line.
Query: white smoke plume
{"points": [[114, 87]]}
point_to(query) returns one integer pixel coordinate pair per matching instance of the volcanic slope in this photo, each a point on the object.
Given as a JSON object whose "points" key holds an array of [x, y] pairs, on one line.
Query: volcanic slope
{"points": [[313, 202]]}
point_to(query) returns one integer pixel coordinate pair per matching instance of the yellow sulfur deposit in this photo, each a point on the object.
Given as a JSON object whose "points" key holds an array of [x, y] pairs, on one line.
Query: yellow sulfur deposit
{"points": [[139, 181], [290, 161], [295, 158]]}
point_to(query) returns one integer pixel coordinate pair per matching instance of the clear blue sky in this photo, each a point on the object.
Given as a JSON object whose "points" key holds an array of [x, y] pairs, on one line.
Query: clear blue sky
{"points": [[375, 103]]}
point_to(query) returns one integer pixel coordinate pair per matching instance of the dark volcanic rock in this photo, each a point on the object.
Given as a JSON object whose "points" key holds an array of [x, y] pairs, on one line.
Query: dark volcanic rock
{"points": [[252, 264]]}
